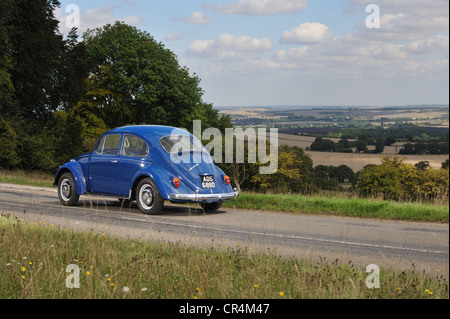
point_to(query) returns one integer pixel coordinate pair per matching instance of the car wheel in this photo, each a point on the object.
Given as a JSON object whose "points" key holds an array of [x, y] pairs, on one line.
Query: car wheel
{"points": [[209, 207], [148, 199], [66, 190]]}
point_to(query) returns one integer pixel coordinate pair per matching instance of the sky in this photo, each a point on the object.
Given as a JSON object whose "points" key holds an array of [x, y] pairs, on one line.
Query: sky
{"points": [[294, 52]]}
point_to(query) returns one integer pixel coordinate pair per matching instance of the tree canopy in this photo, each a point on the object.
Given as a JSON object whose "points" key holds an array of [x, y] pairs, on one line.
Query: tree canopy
{"points": [[138, 80], [59, 94]]}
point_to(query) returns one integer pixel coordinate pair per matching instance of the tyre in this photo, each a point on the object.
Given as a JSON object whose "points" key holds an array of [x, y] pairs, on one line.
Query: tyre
{"points": [[148, 198], [210, 207], [66, 190]]}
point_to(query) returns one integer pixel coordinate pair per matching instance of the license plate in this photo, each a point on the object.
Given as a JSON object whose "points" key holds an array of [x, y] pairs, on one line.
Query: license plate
{"points": [[208, 181]]}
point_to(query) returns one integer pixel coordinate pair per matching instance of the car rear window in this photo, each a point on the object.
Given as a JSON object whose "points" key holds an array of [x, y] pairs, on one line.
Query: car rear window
{"points": [[180, 143], [134, 146]]}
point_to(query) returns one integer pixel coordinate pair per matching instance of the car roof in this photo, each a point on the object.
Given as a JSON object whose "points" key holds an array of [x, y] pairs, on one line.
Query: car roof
{"points": [[150, 132]]}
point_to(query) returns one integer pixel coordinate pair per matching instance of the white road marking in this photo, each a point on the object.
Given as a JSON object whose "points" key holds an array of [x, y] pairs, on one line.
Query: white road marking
{"points": [[290, 236]]}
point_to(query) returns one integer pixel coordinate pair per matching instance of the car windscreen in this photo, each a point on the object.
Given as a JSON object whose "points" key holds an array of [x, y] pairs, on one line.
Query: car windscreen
{"points": [[181, 143]]}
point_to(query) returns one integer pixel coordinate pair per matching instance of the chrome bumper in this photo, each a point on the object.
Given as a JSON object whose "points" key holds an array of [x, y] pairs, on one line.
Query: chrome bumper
{"points": [[205, 197]]}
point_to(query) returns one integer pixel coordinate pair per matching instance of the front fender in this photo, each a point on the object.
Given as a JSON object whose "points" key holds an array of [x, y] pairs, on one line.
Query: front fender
{"points": [[77, 171]]}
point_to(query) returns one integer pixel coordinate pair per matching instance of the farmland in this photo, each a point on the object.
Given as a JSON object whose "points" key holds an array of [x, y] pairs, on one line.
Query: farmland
{"points": [[299, 126], [356, 161]]}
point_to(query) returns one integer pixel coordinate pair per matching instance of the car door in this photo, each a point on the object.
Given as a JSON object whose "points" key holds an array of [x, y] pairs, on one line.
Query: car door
{"points": [[103, 165], [133, 154]]}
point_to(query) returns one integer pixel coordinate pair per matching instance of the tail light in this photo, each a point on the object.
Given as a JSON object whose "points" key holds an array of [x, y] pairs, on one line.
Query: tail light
{"points": [[227, 180], [176, 182]]}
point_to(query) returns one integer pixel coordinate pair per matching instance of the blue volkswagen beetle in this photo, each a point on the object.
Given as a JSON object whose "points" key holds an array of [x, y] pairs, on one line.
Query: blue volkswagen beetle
{"points": [[149, 164]]}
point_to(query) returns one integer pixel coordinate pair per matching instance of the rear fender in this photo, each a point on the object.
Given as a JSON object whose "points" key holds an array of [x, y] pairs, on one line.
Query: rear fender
{"points": [[161, 176], [75, 168]]}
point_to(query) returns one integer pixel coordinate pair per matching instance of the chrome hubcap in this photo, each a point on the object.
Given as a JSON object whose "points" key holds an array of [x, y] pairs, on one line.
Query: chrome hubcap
{"points": [[65, 190], [146, 196]]}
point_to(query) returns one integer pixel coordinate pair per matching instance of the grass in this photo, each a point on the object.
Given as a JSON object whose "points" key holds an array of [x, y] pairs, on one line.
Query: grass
{"points": [[26, 178], [34, 258], [350, 207], [317, 204]]}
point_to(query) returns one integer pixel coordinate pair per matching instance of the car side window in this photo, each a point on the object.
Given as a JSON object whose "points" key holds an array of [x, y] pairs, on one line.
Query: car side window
{"points": [[134, 146], [109, 145]]}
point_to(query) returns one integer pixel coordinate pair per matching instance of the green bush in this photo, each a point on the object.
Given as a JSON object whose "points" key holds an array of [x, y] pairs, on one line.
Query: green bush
{"points": [[8, 143], [396, 180]]}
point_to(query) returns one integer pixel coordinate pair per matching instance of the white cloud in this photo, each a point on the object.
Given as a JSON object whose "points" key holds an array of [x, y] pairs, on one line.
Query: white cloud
{"points": [[94, 18], [228, 46], [198, 18], [387, 51], [261, 7], [437, 44], [174, 36], [294, 54], [309, 32], [405, 20], [424, 8]]}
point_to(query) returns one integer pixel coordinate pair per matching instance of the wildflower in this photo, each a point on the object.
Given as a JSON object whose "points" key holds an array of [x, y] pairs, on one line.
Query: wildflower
{"points": [[112, 284], [23, 277], [144, 289], [281, 293], [126, 289], [23, 269], [88, 273], [198, 289], [195, 297], [256, 286]]}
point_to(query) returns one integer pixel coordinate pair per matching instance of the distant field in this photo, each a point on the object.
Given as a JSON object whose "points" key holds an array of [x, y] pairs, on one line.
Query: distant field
{"points": [[357, 161], [353, 160]]}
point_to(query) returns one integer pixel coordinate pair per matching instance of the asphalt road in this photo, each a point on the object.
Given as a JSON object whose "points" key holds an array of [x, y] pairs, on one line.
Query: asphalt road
{"points": [[388, 244]]}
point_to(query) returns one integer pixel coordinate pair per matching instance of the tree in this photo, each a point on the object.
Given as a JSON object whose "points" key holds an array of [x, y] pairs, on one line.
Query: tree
{"points": [[294, 174], [325, 177], [35, 48], [329, 177], [210, 117], [393, 180], [74, 70], [8, 150], [344, 174], [6, 62], [141, 80], [390, 141], [422, 165], [324, 145], [361, 146], [379, 145]]}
